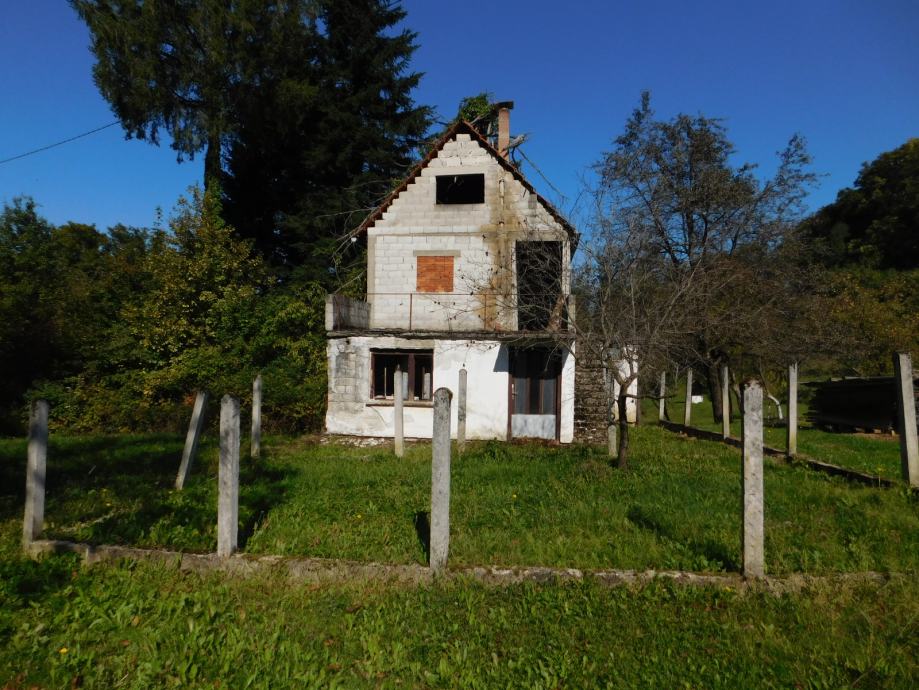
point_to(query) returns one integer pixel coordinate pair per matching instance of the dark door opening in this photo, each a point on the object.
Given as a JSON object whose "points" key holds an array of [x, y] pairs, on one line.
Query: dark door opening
{"points": [[539, 284], [534, 396]]}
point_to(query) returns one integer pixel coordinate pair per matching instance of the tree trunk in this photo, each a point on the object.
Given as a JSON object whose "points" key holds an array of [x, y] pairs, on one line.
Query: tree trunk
{"points": [[714, 387], [623, 428], [735, 387], [213, 168]]}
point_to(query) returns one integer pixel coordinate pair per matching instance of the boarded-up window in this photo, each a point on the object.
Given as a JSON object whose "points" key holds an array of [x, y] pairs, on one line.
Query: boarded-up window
{"points": [[435, 274]]}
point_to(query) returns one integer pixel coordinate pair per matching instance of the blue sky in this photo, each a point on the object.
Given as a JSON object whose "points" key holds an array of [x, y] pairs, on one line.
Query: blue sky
{"points": [[845, 74]]}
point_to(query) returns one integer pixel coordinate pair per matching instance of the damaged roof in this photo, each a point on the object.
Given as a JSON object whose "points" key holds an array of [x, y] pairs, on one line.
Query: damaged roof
{"points": [[464, 127]]}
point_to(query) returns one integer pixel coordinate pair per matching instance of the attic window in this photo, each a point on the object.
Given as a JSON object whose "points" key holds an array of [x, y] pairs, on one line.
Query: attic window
{"points": [[461, 189]]}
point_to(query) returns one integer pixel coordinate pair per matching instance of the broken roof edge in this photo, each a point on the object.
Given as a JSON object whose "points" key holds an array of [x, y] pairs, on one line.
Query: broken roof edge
{"points": [[462, 126]]}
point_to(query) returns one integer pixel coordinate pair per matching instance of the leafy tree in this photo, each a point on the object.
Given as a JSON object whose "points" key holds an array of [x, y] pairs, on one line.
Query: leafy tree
{"points": [[876, 223], [61, 290], [203, 283], [689, 258]]}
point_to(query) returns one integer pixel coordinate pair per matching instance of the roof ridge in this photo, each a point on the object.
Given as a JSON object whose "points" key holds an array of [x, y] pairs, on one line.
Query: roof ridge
{"points": [[435, 149]]}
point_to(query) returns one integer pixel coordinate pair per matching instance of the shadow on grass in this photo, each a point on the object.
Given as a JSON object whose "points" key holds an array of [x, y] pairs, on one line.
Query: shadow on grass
{"points": [[120, 490], [127, 464], [423, 530], [261, 490], [714, 553]]}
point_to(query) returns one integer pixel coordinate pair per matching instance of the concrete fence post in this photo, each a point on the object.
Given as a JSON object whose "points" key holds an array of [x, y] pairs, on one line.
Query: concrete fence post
{"points": [[426, 387], [752, 536], [255, 447], [906, 417], [687, 411], [725, 402], [461, 411], [612, 448], [397, 415], [36, 466], [228, 500], [662, 403], [192, 437], [440, 481], [791, 437]]}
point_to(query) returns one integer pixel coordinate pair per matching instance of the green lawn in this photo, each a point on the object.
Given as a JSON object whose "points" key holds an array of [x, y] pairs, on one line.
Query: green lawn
{"points": [[142, 625], [877, 454], [677, 508]]}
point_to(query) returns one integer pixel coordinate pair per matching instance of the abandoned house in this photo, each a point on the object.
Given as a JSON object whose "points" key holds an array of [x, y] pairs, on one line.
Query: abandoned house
{"points": [[467, 267]]}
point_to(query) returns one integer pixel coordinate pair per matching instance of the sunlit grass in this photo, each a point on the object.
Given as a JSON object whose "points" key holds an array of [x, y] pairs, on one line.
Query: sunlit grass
{"points": [[676, 508], [147, 626], [877, 454]]}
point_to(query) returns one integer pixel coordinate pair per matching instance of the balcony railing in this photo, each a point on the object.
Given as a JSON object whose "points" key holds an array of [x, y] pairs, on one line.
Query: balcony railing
{"points": [[453, 311]]}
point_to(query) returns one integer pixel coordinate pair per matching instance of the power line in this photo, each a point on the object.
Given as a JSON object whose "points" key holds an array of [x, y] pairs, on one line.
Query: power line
{"points": [[59, 143]]}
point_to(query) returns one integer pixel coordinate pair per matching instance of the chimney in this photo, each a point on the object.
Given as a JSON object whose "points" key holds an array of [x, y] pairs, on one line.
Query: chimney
{"points": [[504, 126]]}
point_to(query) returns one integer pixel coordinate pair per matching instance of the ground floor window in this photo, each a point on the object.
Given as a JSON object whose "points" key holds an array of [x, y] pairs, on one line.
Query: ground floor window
{"points": [[418, 363]]}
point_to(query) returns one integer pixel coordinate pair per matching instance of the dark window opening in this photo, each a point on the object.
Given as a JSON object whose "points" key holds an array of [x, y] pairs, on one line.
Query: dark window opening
{"points": [[540, 303], [461, 189], [535, 375], [418, 363]]}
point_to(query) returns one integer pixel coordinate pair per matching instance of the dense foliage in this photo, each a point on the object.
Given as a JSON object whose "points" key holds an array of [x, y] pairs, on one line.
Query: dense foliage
{"points": [[326, 138], [118, 330], [304, 109], [874, 224], [869, 241]]}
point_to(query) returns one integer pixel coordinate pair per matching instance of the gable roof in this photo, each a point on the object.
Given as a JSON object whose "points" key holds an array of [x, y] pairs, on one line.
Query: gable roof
{"points": [[464, 127]]}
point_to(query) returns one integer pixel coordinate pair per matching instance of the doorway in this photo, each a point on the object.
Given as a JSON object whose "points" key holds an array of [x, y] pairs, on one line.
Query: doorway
{"points": [[534, 401]]}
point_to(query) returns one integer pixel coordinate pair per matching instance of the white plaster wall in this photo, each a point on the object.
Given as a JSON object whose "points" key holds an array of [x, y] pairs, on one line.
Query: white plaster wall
{"points": [[487, 384], [478, 235], [349, 387], [566, 429], [486, 398], [631, 404]]}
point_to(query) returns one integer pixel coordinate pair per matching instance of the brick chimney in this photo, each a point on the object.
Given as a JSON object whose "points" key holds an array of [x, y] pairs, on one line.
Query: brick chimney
{"points": [[504, 126]]}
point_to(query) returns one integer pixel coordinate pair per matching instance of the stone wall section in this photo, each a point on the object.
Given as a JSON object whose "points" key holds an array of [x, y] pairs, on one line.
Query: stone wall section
{"points": [[590, 400]]}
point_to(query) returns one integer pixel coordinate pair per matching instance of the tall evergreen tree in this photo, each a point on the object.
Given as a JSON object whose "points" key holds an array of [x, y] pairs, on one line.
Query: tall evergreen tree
{"points": [[184, 66], [322, 158]]}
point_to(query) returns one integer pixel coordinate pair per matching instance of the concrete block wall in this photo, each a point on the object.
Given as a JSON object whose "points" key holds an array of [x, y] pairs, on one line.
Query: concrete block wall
{"points": [[351, 411], [480, 237], [343, 312]]}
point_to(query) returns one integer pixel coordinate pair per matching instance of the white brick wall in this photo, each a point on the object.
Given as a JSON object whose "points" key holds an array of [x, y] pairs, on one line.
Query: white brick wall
{"points": [[474, 233]]}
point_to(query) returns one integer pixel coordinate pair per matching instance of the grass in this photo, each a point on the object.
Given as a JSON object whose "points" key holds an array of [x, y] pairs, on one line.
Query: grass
{"points": [[677, 508], [144, 626], [877, 454], [147, 626]]}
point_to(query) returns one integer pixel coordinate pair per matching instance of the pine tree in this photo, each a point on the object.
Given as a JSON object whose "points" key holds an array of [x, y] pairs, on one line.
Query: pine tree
{"points": [[322, 157]]}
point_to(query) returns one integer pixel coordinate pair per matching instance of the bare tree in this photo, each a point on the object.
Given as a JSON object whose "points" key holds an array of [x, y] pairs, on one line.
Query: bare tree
{"points": [[688, 255], [669, 189]]}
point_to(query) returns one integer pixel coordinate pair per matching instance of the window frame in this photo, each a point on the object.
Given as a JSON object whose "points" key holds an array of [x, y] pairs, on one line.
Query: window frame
{"points": [[441, 185], [402, 352]]}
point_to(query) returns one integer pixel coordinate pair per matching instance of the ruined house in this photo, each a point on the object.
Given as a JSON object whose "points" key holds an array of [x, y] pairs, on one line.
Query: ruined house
{"points": [[467, 267]]}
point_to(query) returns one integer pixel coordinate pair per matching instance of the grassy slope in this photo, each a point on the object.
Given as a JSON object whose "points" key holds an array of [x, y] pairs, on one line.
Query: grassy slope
{"points": [[877, 454], [512, 505], [144, 626]]}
